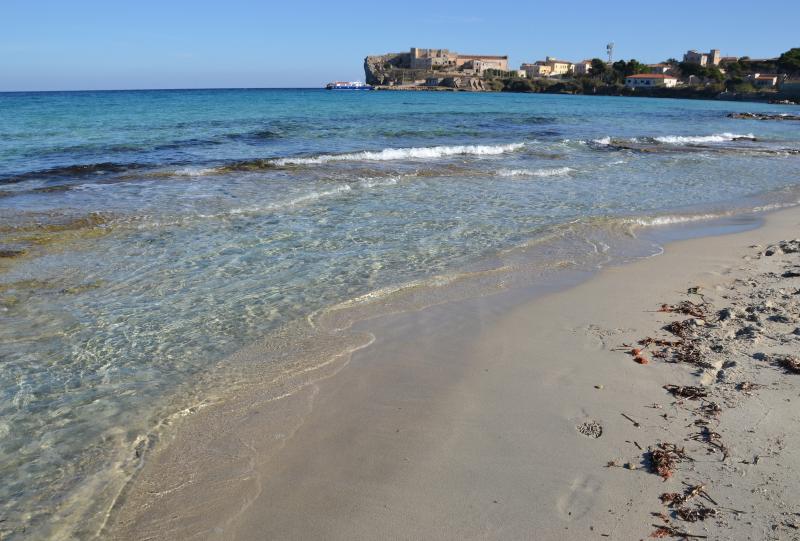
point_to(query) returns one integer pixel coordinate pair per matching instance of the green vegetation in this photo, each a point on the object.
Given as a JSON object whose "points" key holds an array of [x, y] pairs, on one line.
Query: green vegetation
{"points": [[790, 61], [710, 73]]}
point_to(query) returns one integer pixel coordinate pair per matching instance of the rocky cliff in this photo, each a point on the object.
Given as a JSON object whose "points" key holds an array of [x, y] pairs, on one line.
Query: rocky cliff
{"points": [[386, 69]]}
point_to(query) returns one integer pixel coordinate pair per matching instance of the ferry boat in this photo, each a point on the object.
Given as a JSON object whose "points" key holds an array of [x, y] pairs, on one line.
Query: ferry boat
{"points": [[343, 85]]}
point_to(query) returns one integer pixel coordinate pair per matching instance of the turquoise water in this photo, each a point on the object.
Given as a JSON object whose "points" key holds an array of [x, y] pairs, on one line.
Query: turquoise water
{"points": [[163, 231]]}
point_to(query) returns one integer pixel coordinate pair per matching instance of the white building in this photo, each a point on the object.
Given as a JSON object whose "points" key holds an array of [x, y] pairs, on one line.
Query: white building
{"points": [[765, 80], [583, 67], [650, 80]]}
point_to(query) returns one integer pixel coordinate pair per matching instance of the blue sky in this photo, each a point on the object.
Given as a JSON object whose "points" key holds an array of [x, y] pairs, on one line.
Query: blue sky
{"points": [[116, 44]]}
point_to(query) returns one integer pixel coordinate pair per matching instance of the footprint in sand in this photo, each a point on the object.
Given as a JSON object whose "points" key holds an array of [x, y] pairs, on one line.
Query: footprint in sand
{"points": [[580, 498]]}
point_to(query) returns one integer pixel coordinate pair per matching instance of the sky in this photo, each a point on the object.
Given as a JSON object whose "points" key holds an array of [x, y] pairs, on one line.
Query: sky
{"points": [[125, 44]]}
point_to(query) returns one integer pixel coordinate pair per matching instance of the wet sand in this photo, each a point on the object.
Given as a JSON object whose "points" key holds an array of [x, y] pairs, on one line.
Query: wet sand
{"points": [[491, 419]]}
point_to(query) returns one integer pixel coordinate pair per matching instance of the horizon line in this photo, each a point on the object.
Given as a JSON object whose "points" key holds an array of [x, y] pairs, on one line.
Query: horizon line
{"points": [[167, 89]]}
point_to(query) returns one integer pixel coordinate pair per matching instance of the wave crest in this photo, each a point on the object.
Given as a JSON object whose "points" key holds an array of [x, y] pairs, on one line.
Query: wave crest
{"points": [[545, 172], [391, 154], [715, 138]]}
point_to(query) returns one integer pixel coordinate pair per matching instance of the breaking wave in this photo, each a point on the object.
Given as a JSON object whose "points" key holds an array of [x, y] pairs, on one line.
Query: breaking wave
{"points": [[414, 153], [692, 139], [679, 139], [546, 172], [195, 171]]}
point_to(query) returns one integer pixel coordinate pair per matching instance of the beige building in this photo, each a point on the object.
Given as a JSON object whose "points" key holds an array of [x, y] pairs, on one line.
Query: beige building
{"points": [[650, 80], [558, 67], [428, 59], [536, 70], [703, 59], [584, 67]]}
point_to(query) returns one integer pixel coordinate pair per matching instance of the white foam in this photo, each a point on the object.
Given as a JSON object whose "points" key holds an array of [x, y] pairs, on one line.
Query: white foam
{"points": [[547, 172], [603, 140], [675, 219], [418, 153], [373, 182], [689, 139], [195, 171]]}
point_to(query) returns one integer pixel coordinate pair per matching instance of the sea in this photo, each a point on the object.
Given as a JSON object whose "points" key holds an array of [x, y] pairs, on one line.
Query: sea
{"points": [[150, 237]]}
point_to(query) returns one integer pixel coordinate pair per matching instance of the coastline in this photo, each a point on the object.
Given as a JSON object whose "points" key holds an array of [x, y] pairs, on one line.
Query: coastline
{"points": [[680, 94], [459, 420]]}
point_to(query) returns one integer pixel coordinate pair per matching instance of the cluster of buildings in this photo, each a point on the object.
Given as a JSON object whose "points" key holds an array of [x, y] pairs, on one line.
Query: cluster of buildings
{"points": [[449, 61], [430, 67], [551, 67], [660, 75]]}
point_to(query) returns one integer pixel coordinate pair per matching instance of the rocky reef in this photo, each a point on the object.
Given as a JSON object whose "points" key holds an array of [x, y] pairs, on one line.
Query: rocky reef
{"points": [[763, 116]]}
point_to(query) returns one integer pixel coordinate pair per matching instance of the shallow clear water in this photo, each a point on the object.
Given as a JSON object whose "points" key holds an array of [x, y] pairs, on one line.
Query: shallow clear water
{"points": [[166, 230]]}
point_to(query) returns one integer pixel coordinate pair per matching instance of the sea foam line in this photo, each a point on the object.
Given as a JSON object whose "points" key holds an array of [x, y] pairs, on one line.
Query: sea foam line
{"points": [[390, 154], [689, 139], [681, 139], [546, 172]]}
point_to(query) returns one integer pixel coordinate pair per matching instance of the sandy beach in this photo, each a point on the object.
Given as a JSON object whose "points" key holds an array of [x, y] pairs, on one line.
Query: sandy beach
{"points": [[491, 419]]}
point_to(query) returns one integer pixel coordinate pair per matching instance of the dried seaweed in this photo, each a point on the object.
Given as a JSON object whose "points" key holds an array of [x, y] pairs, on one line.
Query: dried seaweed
{"points": [[710, 409], [674, 499], [658, 342], [713, 439], [681, 329], [686, 391], [686, 307], [693, 514], [691, 354], [664, 457], [669, 531], [788, 362]]}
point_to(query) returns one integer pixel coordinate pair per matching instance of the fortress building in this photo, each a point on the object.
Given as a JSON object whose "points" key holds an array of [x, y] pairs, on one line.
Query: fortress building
{"points": [[444, 59]]}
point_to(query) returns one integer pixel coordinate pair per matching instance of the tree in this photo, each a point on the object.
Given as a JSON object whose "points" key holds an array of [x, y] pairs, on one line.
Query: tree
{"points": [[599, 68], [790, 61], [633, 67]]}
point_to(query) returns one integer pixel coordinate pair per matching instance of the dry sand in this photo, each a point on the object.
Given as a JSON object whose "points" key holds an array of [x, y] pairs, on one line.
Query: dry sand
{"points": [[484, 419]]}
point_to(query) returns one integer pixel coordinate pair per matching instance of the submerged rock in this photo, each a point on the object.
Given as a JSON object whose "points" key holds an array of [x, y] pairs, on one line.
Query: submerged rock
{"points": [[8, 253], [763, 116]]}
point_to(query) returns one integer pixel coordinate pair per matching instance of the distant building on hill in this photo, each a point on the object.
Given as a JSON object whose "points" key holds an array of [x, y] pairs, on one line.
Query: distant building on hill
{"points": [[558, 67], [584, 67], [444, 59], [536, 70], [650, 80], [703, 59], [549, 66], [765, 80], [659, 68]]}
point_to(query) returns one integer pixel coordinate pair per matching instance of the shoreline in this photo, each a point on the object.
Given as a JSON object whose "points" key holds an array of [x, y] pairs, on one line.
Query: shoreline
{"points": [[307, 429], [771, 100]]}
